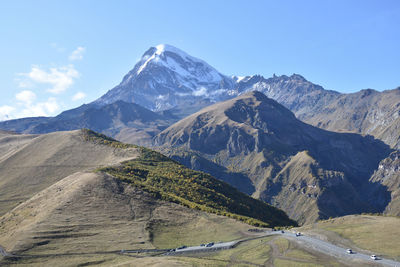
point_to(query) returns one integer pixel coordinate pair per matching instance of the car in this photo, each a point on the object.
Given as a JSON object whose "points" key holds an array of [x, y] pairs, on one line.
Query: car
{"points": [[374, 257], [298, 234], [349, 251], [182, 247], [210, 244], [282, 232], [202, 245]]}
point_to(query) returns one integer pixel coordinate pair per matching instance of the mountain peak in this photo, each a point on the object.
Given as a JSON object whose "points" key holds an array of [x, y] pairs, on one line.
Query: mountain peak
{"points": [[166, 77], [178, 61], [166, 47]]}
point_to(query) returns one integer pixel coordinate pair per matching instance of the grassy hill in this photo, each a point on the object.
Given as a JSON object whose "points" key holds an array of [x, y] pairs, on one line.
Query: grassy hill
{"points": [[168, 180], [85, 216]]}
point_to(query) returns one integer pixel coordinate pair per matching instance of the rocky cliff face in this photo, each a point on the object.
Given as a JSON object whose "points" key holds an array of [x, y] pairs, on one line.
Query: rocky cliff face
{"points": [[308, 172], [388, 175]]}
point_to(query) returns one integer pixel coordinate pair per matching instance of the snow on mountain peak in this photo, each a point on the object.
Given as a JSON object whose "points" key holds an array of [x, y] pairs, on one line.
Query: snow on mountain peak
{"points": [[180, 63], [166, 76]]}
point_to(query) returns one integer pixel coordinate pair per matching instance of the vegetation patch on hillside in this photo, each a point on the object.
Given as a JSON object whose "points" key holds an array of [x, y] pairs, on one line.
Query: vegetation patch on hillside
{"points": [[168, 180], [101, 139]]}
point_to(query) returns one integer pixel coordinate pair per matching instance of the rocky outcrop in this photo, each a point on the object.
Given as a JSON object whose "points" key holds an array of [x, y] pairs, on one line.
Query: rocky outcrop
{"points": [[388, 175]]}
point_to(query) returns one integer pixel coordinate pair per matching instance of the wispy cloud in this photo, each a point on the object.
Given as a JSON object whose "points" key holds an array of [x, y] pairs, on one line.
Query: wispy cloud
{"points": [[6, 112], [57, 47], [77, 54], [26, 97], [60, 78], [79, 96]]}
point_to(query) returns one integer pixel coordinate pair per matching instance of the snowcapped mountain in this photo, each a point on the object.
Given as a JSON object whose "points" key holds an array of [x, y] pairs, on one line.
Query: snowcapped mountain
{"points": [[166, 77]]}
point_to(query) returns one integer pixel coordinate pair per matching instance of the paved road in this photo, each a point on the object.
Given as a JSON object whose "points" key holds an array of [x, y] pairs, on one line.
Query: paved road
{"points": [[336, 251], [216, 246], [304, 241]]}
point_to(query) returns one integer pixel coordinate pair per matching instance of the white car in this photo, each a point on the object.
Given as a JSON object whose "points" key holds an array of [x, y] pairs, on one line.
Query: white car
{"points": [[374, 257], [349, 251]]}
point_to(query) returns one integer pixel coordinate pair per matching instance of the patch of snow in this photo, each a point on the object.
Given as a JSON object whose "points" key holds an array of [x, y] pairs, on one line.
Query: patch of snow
{"points": [[239, 79], [162, 97]]}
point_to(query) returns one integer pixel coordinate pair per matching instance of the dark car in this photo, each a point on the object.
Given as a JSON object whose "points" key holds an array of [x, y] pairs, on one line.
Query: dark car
{"points": [[210, 244], [182, 247]]}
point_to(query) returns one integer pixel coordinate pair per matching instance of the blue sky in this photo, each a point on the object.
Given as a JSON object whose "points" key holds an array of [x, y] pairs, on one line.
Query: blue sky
{"points": [[57, 55]]}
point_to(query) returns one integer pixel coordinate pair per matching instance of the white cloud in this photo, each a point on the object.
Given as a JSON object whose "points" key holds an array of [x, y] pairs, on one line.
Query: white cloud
{"points": [[6, 112], [46, 108], [77, 54], [27, 97], [60, 78], [201, 91], [29, 109], [79, 96]]}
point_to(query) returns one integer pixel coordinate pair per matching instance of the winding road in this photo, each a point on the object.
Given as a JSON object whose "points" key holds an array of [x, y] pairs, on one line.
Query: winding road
{"points": [[304, 241]]}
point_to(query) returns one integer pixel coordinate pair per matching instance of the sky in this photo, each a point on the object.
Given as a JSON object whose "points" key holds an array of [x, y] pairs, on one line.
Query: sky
{"points": [[57, 55]]}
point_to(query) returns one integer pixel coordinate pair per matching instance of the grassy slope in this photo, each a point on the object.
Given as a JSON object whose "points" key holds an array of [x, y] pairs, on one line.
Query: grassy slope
{"points": [[171, 181], [166, 179], [378, 234], [93, 213]]}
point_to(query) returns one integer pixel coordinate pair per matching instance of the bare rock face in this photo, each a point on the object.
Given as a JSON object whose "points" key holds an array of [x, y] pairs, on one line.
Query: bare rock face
{"points": [[308, 172], [388, 175]]}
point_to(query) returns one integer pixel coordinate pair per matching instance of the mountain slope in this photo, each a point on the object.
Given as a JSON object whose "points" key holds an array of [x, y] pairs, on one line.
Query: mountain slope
{"points": [[31, 163], [84, 216], [168, 180], [287, 161], [127, 121], [366, 112]]}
